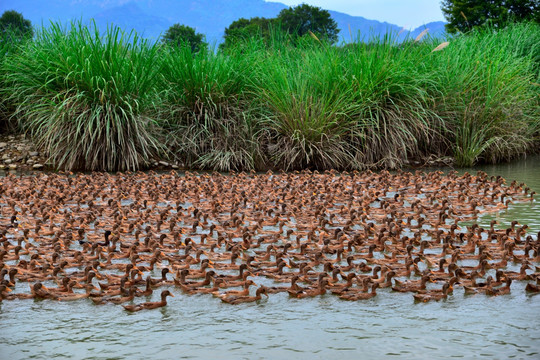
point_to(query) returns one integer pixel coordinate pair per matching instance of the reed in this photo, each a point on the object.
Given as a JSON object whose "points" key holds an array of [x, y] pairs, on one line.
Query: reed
{"points": [[485, 93], [209, 121], [307, 116], [391, 102], [10, 43], [88, 99], [113, 101]]}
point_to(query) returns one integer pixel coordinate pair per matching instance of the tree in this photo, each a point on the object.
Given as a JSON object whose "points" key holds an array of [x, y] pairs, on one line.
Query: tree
{"points": [[302, 19], [463, 15], [13, 23], [179, 35], [243, 29]]}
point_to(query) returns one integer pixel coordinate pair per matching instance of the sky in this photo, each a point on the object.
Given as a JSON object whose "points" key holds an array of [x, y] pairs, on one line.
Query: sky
{"points": [[406, 13]]}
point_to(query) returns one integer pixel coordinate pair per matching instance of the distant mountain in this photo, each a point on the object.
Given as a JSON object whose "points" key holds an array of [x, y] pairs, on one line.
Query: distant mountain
{"points": [[151, 18]]}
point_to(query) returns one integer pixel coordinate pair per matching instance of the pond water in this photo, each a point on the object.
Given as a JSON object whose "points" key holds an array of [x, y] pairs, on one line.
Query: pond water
{"points": [[202, 327]]}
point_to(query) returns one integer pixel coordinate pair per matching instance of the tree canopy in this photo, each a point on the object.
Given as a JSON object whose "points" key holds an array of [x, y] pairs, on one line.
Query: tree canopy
{"points": [[242, 29], [302, 19], [13, 22], [463, 15], [180, 35], [297, 21]]}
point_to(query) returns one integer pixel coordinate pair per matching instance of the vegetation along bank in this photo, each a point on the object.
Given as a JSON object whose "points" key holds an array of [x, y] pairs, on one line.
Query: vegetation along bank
{"points": [[114, 101]]}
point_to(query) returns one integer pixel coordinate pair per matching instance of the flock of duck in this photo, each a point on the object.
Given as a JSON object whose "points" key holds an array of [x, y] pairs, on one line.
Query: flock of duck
{"points": [[114, 238]]}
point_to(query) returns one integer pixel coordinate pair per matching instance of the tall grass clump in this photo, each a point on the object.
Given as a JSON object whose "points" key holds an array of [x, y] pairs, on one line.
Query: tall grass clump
{"points": [[487, 93], [209, 120], [88, 99], [307, 116], [391, 102], [10, 43]]}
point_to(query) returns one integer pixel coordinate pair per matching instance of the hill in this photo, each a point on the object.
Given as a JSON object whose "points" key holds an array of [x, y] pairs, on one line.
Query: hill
{"points": [[151, 18]]}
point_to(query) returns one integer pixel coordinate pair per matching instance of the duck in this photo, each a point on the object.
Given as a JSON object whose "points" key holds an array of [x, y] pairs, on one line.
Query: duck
{"points": [[40, 291], [387, 280], [361, 295], [161, 281], [310, 292], [73, 297], [503, 290], [243, 292], [428, 296], [294, 287], [189, 285], [323, 223], [233, 300], [481, 288], [4, 293], [123, 299], [150, 305], [411, 286], [338, 288]]}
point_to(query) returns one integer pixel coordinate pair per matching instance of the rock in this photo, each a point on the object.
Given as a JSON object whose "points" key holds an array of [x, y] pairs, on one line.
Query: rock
{"points": [[37, 166], [20, 148], [34, 153], [164, 163], [29, 161], [5, 157], [175, 167], [12, 166], [2, 167], [3, 145], [8, 161]]}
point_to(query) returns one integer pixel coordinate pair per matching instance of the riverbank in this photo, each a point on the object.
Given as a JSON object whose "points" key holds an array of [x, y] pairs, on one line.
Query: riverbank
{"points": [[280, 104], [19, 153]]}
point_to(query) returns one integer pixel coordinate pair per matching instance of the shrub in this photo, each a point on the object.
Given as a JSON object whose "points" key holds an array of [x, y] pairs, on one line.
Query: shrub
{"points": [[89, 100]]}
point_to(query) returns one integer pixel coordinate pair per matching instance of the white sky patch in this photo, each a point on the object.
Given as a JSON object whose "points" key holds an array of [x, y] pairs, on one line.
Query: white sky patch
{"points": [[406, 13]]}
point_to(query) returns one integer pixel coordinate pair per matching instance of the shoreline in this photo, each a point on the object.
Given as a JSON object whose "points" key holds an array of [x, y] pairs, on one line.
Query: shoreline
{"points": [[19, 153]]}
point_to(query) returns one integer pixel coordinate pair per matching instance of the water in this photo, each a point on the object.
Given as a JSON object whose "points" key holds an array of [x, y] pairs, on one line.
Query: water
{"points": [[202, 327]]}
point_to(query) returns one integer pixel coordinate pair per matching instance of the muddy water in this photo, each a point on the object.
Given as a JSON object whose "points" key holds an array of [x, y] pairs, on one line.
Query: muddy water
{"points": [[201, 327]]}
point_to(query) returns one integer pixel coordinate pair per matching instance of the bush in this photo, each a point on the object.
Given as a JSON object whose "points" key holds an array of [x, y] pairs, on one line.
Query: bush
{"points": [[486, 94], [89, 100], [209, 120]]}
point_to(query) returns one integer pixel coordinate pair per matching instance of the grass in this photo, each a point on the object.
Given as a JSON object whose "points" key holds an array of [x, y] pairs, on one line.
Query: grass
{"points": [[307, 117], [115, 102], [486, 94], [10, 43], [89, 99], [209, 121]]}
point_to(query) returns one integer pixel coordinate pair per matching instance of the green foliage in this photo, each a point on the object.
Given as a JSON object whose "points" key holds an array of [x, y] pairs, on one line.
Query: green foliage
{"points": [[10, 43], [486, 94], [302, 19], [307, 114], [242, 30], [464, 15], [182, 35], [391, 98], [209, 121], [88, 100], [275, 100], [13, 25], [297, 22]]}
